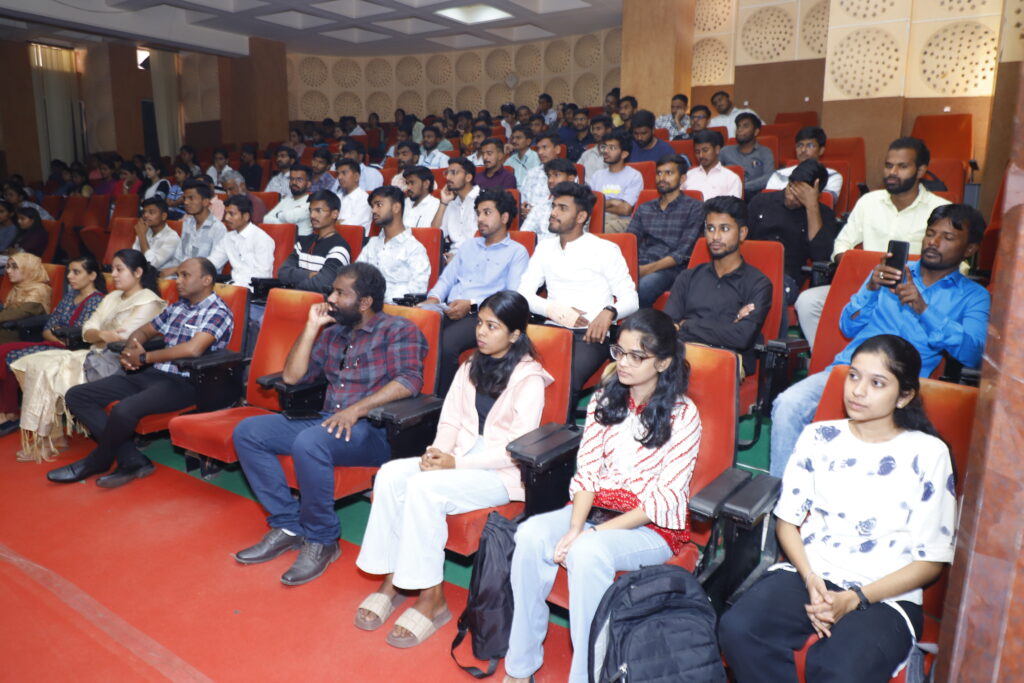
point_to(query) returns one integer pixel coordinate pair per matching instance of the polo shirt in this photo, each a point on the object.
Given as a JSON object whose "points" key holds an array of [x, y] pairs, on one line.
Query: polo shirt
{"points": [[504, 179], [769, 219], [758, 165]]}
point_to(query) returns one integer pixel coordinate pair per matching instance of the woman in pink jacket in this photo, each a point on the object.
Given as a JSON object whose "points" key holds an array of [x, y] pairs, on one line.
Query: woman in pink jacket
{"points": [[496, 397]]}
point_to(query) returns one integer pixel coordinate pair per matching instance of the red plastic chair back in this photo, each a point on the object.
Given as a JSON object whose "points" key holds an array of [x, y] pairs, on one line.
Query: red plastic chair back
{"points": [[168, 290], [440, 178], [353, 235], [266, 173], [738, 170], [122, 236], [284, 240], [554, 351], [74, 211], [850, 150], [786, 133], [175, 226], [581, 173], [597, 215], [431, 239], [626, 241], [649, 171], [270, 199], [126, 206], [950, 172], [237, 299], [98, 212], [57, 275], [53, 229], [661, 134], [685, 147], [429, 323], [948, 136], [286, 315], [526, 238], [53, 203]]}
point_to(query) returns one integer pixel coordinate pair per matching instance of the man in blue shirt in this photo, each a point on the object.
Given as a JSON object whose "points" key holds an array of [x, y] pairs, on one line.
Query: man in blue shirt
{"points": [[646, 147], [931, 305], [484, 265]]}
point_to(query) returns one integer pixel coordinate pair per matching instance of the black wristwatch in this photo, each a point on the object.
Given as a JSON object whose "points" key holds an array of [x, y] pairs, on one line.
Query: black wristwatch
{"points": [[142, 358], [864, 602], [614, 311]]}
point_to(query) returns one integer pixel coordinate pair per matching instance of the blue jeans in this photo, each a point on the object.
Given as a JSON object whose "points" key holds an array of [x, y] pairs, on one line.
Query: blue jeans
{"points": [[654, 285], [258, 442], [793, 410], [593, 560]]}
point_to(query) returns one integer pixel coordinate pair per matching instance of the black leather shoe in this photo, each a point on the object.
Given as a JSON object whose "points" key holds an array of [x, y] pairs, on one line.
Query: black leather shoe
{"points": [[273, 544], [76, 471], [312, 562], [120, 477]]}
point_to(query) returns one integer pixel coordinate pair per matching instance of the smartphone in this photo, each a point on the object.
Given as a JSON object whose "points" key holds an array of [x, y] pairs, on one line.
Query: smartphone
{"points": [[900, 253], [598, 515], [302, 414]]}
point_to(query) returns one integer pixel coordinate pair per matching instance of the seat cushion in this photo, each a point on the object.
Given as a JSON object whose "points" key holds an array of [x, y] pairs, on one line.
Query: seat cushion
{"points": [[464, 530], [348, 481], [159, 422], [209, 434]]}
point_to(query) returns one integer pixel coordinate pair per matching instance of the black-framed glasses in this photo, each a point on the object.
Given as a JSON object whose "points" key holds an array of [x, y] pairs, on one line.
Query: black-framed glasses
{"points": [[620, 354]]}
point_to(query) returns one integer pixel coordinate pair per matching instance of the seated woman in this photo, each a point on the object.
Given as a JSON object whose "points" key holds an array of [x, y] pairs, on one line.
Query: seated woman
{"points": [[47, 375], [629, 495], [32, 237], [86, 288], [496, 397], [30, 293], [866, 519]]}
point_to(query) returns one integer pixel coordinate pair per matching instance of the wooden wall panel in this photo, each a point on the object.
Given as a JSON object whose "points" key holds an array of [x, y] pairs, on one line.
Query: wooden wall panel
{"points": [[877, 120], [760, 85], [129, 86], [19, 113]]}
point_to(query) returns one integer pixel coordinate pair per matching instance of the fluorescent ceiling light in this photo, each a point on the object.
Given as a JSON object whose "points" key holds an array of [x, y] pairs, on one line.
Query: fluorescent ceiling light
{"points": [[478, 13]]}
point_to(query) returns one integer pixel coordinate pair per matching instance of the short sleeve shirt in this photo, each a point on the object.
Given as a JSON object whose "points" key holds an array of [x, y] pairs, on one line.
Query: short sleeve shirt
{"points": [[182, 321]]}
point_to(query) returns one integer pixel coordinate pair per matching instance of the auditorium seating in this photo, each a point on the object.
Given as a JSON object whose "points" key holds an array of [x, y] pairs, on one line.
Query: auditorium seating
{"points": [[432, 240], [649, 171], [948, 136], [353, 236], [283, 235]]}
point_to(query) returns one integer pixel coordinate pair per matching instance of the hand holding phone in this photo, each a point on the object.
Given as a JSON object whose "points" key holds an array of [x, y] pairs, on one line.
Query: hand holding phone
{"points": [[898, 255]]}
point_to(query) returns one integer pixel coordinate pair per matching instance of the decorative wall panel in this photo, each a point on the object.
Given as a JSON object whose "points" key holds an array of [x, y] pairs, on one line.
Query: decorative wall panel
{"points": [[714, 39]]}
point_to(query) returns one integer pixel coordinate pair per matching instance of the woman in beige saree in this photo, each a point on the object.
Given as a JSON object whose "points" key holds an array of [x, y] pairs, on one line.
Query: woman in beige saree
{"points": [[46, 376]]}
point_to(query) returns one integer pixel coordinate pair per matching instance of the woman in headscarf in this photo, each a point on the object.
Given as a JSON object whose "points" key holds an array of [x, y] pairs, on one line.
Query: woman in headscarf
{"points": [[30, 292]]}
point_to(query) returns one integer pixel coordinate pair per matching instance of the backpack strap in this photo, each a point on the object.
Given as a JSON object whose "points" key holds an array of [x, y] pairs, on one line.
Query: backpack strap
{"points": [[473, 671]]}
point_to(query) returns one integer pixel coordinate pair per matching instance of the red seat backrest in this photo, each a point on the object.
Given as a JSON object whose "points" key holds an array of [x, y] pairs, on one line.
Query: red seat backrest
{"points": [[581, 173], [661, 134], [53, 203], [554, 351], [626, 241], [440, 177], [685, 147], [526, 238], [429, 323], [948, 136], [74, 211], [98, 212], [738, 170], [57, 274], [286, 315], [850, 150], [168, 289], [772, 143], [53, 229], [786, 133], [649, 171], [431, 239], [803, 118], [270, 199], [122, 236], [237, 299], [353, 235], [175, 226], [265, 175], [950, 172], [284, 240], [126, 206], [597, 215], [644, 197], [721, 129], [515, 195]]}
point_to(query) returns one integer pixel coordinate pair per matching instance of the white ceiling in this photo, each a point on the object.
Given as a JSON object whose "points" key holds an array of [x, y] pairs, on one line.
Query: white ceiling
{"points": [[329, 27]]}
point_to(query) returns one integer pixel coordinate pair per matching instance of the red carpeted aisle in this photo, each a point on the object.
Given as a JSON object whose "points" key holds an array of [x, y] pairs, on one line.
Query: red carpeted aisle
{"points": [[138, 583]]}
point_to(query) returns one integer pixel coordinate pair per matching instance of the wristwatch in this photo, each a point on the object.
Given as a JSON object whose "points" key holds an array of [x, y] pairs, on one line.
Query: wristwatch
{"points": [[142, 358], [864, 602], [614, 311]]}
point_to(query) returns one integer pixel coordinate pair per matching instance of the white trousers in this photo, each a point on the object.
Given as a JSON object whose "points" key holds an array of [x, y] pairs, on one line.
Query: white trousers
{"points": [[809, 306], [408, 527]]}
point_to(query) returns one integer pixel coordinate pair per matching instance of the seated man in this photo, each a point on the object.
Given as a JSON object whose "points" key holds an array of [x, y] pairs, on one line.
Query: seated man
{"points": [[591, 159], [810, 144], [200, 230], [456, 215], [795, 218], [931, 305], [757, 161], [619, 183], [355, 202], [666, 229], [430, 155], [727, 114], [198, 322], [368, 358], [153, 237], [473, 152], [581, 137], [534, 189], [677, 122], [521, 158], [294, 207], [317, 257], [627, 107], [284, 159], [558, 170], [234, 184], [408, 156], [395, 251], [700, 117], [724, 302], [587, 279], [647, 147], [709, 177], [250, 170], [322, 178], [898, 212], [248, 249], [369, 177], [495, 175], [484, 265], [420, 203]]}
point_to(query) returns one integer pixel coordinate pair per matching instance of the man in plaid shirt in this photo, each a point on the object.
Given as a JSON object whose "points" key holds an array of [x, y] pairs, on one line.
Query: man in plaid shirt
{"points": [[198, 322], [368, 358]]}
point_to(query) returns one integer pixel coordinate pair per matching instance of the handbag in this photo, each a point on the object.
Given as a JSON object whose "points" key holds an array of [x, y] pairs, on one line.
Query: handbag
{"points": [[100, 364]]}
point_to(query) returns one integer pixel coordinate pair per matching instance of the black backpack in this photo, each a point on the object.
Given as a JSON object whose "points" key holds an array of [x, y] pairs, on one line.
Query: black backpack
{"points": [[488, 613], [655, 625]]}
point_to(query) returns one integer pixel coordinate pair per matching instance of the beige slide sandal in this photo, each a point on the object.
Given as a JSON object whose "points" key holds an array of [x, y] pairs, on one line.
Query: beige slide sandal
{"points": [[419, 626], [381, 606]]}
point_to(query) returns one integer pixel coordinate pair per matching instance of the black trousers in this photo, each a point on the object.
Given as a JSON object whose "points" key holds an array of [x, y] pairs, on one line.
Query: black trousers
{"points": [[456, 337], [760, 633], [586, 359], [145, 392]]}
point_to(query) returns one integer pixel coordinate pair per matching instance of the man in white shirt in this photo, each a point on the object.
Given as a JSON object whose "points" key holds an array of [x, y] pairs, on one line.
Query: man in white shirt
{"points": [[591, 160], [709, 177], [534, 191], [480, 133], [220, 164], [408, 155], [546, 108], [294, 207], [153, 237], [355, 209], [521, 158], [899, 212], [395, 252], [810, 144], [430, 155], [420, 204], [620, 184], [369, 178], [727, 113], [587, 280], [284, 158], [351, 126], [456, 214], [558, 171], [249, 250], [200, 230]]}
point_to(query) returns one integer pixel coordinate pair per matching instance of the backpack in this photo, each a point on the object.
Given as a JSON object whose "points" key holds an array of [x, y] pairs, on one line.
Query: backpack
{"points": [[655, 625], [488, 613]]}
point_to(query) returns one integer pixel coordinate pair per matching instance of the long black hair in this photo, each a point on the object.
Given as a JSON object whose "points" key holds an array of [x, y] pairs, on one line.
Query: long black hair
{"points": [[134, 260], [658, 338], [90, 266], [490, 375]]}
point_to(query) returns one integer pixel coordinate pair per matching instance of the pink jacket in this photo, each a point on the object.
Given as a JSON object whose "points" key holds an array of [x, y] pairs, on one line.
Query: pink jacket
{"points": [[516, 411]]}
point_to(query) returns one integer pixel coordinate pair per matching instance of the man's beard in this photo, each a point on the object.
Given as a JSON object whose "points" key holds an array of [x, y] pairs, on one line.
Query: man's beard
{"points": [[904, 186], [346, 316], [725, 253]]}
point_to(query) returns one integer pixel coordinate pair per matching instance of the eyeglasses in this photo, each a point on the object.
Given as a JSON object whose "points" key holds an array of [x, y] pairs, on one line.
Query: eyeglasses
{"points": [[620, 354]]}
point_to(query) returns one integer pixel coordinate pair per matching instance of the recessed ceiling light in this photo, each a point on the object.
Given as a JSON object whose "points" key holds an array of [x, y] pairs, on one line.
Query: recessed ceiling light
{"points": [[477, 13]]}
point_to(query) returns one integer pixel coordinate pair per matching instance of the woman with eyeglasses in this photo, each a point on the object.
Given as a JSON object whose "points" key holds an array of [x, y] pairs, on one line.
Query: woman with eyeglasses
{"points": [[629, 495]]}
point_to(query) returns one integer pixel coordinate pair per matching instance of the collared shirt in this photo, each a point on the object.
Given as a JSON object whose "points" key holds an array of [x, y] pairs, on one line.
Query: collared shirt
{"points": [[504, 179], [420, 215], [955, 321], [358, 363], [521, 165], [435, 158], [675, 130], [538, 220], [250, 251], [625, 184], [370, 178], [476, 159], [575, 148], [445, 145], [729, 120], [669, 232], [718, 182], [162, 246], [292, 210], [402, 260], [549, 116], [213, 173], [660, 149], [326, 182], [592, 162], [758, 165], [459, 221], [182, 321], [478, 270], [355, 209], [201, 241], [321, 257], [769, 219], [875, 220], [780, 179], [534, 189], [589, 274], [280, 184], [709, 305]]}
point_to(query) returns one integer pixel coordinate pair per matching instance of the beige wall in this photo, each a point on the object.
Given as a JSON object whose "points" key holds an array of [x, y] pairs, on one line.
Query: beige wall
{"points": [[658, 59]]}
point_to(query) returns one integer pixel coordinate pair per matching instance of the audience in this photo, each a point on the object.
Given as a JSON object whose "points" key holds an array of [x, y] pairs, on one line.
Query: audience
{"points": [[727, 113], [32, 236], [408, 156], [220, 164], [647, 147], [420, 204], [294, 207], [581, 137], [473, 151], [545, 108], [757, 161], [700, 118], [620, 184], [521, 158], [592, 160], [285, 158], [248, 249], [250, 170], [187, 156], [317, 257], [456, 215], [30, 292], [395, 252], [355, 202], [369, 177], [627, 107], [810, 144], [495, 176], [677, 121], [200, 231], [157, 241], [430, 155], [234, 185], [322, 178], [537, 221], [534, 190], [709, 176], [155, 185]]}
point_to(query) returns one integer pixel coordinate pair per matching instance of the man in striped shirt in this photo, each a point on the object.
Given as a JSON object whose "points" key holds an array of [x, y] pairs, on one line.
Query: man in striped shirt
{"points": [[317, 257]]}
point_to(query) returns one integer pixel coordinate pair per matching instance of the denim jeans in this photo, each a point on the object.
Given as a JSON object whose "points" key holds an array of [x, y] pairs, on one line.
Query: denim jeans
{"points": [[258, 442], [592, 562], [793, 410], [654, 285]]}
